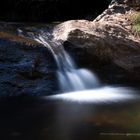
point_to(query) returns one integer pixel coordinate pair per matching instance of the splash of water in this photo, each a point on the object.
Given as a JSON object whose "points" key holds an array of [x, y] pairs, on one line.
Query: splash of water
{"points": [[101, 95], [70, 78]]}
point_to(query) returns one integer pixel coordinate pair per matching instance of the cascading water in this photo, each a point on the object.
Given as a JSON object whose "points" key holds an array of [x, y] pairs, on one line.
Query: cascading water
{"points": [[70, 78]]}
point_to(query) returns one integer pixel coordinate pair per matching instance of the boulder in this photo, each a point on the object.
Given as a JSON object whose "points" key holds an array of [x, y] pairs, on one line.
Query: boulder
{"points": [[108, 37]]}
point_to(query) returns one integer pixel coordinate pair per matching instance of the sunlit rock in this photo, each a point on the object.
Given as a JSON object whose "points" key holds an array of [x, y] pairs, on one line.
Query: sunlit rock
{"points": [[109, 37]]}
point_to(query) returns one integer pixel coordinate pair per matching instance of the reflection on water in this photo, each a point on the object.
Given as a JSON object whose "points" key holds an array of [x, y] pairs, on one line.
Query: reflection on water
{"points": [[30, 118], [104, 94]]}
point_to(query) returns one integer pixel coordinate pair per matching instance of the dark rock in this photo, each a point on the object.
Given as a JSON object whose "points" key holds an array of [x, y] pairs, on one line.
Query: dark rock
{"points": [[25, 70]]}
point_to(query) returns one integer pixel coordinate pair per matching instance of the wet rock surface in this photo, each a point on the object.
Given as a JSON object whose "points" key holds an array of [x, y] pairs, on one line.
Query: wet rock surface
{"points": [[25, 70]]}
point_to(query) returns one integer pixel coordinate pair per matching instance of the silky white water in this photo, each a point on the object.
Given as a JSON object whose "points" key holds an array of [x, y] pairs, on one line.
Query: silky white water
{"points": [[70, 78], [105, 94]]}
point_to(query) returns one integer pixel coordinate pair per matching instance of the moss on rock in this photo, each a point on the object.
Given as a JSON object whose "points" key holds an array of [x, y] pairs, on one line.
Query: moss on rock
{"points": [[136, 24]]}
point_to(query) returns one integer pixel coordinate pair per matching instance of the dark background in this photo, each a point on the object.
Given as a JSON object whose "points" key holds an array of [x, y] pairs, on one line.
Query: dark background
{"points": [[50, 10]]}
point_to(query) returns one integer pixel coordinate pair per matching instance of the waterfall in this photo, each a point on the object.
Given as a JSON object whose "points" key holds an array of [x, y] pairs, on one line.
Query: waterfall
{"points": [[70, 78]]}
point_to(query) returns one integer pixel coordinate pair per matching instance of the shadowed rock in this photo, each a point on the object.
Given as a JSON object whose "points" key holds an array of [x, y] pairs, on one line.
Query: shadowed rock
{"points": [[25, 69]]}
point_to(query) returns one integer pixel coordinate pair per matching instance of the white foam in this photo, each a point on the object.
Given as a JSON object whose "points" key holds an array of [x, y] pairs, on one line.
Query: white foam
{"points": [[104, 94]]}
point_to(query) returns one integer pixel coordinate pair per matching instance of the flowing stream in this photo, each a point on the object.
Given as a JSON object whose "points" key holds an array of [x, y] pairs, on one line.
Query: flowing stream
{"points": [[70, 78]]}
